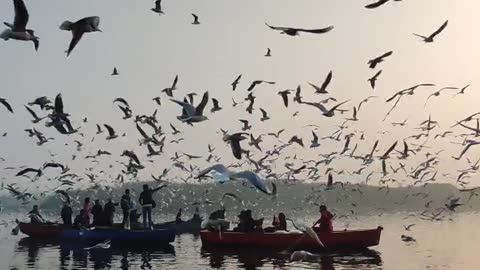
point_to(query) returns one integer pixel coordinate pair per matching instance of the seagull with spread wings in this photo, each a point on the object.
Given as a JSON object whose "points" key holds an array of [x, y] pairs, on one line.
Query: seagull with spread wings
{"points": [[430, 38], [295, 31], [18, 30]]}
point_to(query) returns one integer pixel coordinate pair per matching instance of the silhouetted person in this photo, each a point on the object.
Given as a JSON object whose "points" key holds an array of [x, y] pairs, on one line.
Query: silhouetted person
{"points": [[125, 204], [35, 217], [97, 212], [66, 214], [81, 220], [109, 212], [87, 209], [147, 202], [178, 218], [325, 221], [196, 215]]}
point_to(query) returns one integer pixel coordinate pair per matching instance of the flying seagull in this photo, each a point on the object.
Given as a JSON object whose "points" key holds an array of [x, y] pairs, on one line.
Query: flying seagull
{"points": [[216, 106], [249, 176], [18, 30], [377, 60], [257, 82], [323, 88], [284, 94], [265, 116], [195, 19], [235, 83], [294, 31], [430, 38], [115, 72], [269, 53], [111, 132], [169, 90], [373, 80], [378, 3], [158, 7], [234, 141], [80, 27]]}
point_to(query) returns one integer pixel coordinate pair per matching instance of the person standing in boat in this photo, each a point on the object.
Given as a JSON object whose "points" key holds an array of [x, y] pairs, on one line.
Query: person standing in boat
{"points": [[196, 215], [109, 212], [66, 214], [325, 222], [147, 202], [125, 204], [178, 218], [35, 217], [80, 220], [87, 209], [97, 212]]}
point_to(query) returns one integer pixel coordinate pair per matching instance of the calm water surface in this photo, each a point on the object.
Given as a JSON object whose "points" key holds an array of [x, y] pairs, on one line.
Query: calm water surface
{"points": [[451, 244]]}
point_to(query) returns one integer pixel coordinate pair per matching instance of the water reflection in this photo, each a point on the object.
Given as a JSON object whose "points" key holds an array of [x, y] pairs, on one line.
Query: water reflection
{"points": [[73, 255], [257, 258]]}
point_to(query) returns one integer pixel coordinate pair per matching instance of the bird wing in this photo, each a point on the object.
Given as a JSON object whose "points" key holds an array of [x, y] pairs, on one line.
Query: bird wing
{"points": [[142, 132], [189, 109], [317, 31], [264, 113], [376, 4], [315, 137], [93, 21], [439, 30], [6, 104], [385, 155], [327, 81], [110, 130], [219, 168], [31, 112], [175, 81], [338, 105], [121, 100], [76, 36], [21, 16], [254, 179], [278, 28], [203, 103]]}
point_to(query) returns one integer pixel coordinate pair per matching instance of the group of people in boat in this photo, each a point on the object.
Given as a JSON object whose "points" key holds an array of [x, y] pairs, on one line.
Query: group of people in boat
{"points": [[247, 223]]}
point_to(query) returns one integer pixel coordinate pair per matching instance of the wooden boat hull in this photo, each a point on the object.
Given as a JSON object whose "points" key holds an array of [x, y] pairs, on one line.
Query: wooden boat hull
{"points": [[359, 239], [189, 226], [41, 230]]}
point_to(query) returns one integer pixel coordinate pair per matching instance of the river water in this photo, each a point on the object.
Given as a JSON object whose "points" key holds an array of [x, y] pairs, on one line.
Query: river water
{"points": [[449, 244]]}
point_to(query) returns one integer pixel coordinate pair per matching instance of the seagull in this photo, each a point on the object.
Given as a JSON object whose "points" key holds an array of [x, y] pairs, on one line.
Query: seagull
{"points": [[18, 30], [276, 135], [284, 94], [115, 72], [80, 27], [452, 204], [470, 144], [216, 107], [325, 112], [257, 82], [104, 245], [255, 142], [298, 95], [5, 103], [462, 91], [269, 53], [169, 90], [378, 3], [158, 7], [294, 31], [315, 143], [246, 126], [121, 100], [193, 114], [300, 255], [354, 116], [406, 238], [235, 83], [323, 88], [377, 60], [251, 177], [296, 140], [234, 141], [43, 102], [408, 227], [373, 79], [195, 19], [111, 132], [437, 93], [430, 38], [265, 116]]}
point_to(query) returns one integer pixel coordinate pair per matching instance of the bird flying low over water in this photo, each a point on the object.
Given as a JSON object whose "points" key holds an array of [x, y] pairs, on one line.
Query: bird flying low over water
{"points": [[430, 38], [294, 31], [249, 176], [18, 30], [80, 27]]}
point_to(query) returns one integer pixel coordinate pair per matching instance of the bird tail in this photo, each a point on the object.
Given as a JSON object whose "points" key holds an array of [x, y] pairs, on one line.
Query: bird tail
{"points": [[66, 25], [5, 35]]}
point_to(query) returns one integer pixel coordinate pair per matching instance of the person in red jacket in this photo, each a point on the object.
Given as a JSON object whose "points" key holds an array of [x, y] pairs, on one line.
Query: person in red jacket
{"points": [[325, 223]]}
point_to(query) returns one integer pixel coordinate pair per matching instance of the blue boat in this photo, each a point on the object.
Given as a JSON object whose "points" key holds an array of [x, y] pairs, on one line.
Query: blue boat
{"points": [[193, 226], [157, 237]]}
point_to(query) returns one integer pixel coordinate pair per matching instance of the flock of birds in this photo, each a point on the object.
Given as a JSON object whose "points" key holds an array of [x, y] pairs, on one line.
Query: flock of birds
{"points": [[255, 162]]}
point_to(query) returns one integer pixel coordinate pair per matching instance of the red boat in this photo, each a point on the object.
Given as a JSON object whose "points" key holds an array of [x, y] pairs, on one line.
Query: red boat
{"points": [[41, 230], [359, 239]]}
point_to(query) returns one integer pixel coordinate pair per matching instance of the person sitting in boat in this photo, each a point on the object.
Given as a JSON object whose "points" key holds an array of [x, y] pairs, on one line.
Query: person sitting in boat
{"points": [[278, 224], [147, 202], [109, 212], [66, 214], [125, 204], [247, 223], [81, 220], [325, 222], [196, 215], [35, 217], [216, 221], [87, 207], [178, 218], [97, 212]]}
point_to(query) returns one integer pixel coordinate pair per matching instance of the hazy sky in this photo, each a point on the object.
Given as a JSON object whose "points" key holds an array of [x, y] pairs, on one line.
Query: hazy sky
{"points": [[149, 50]]}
